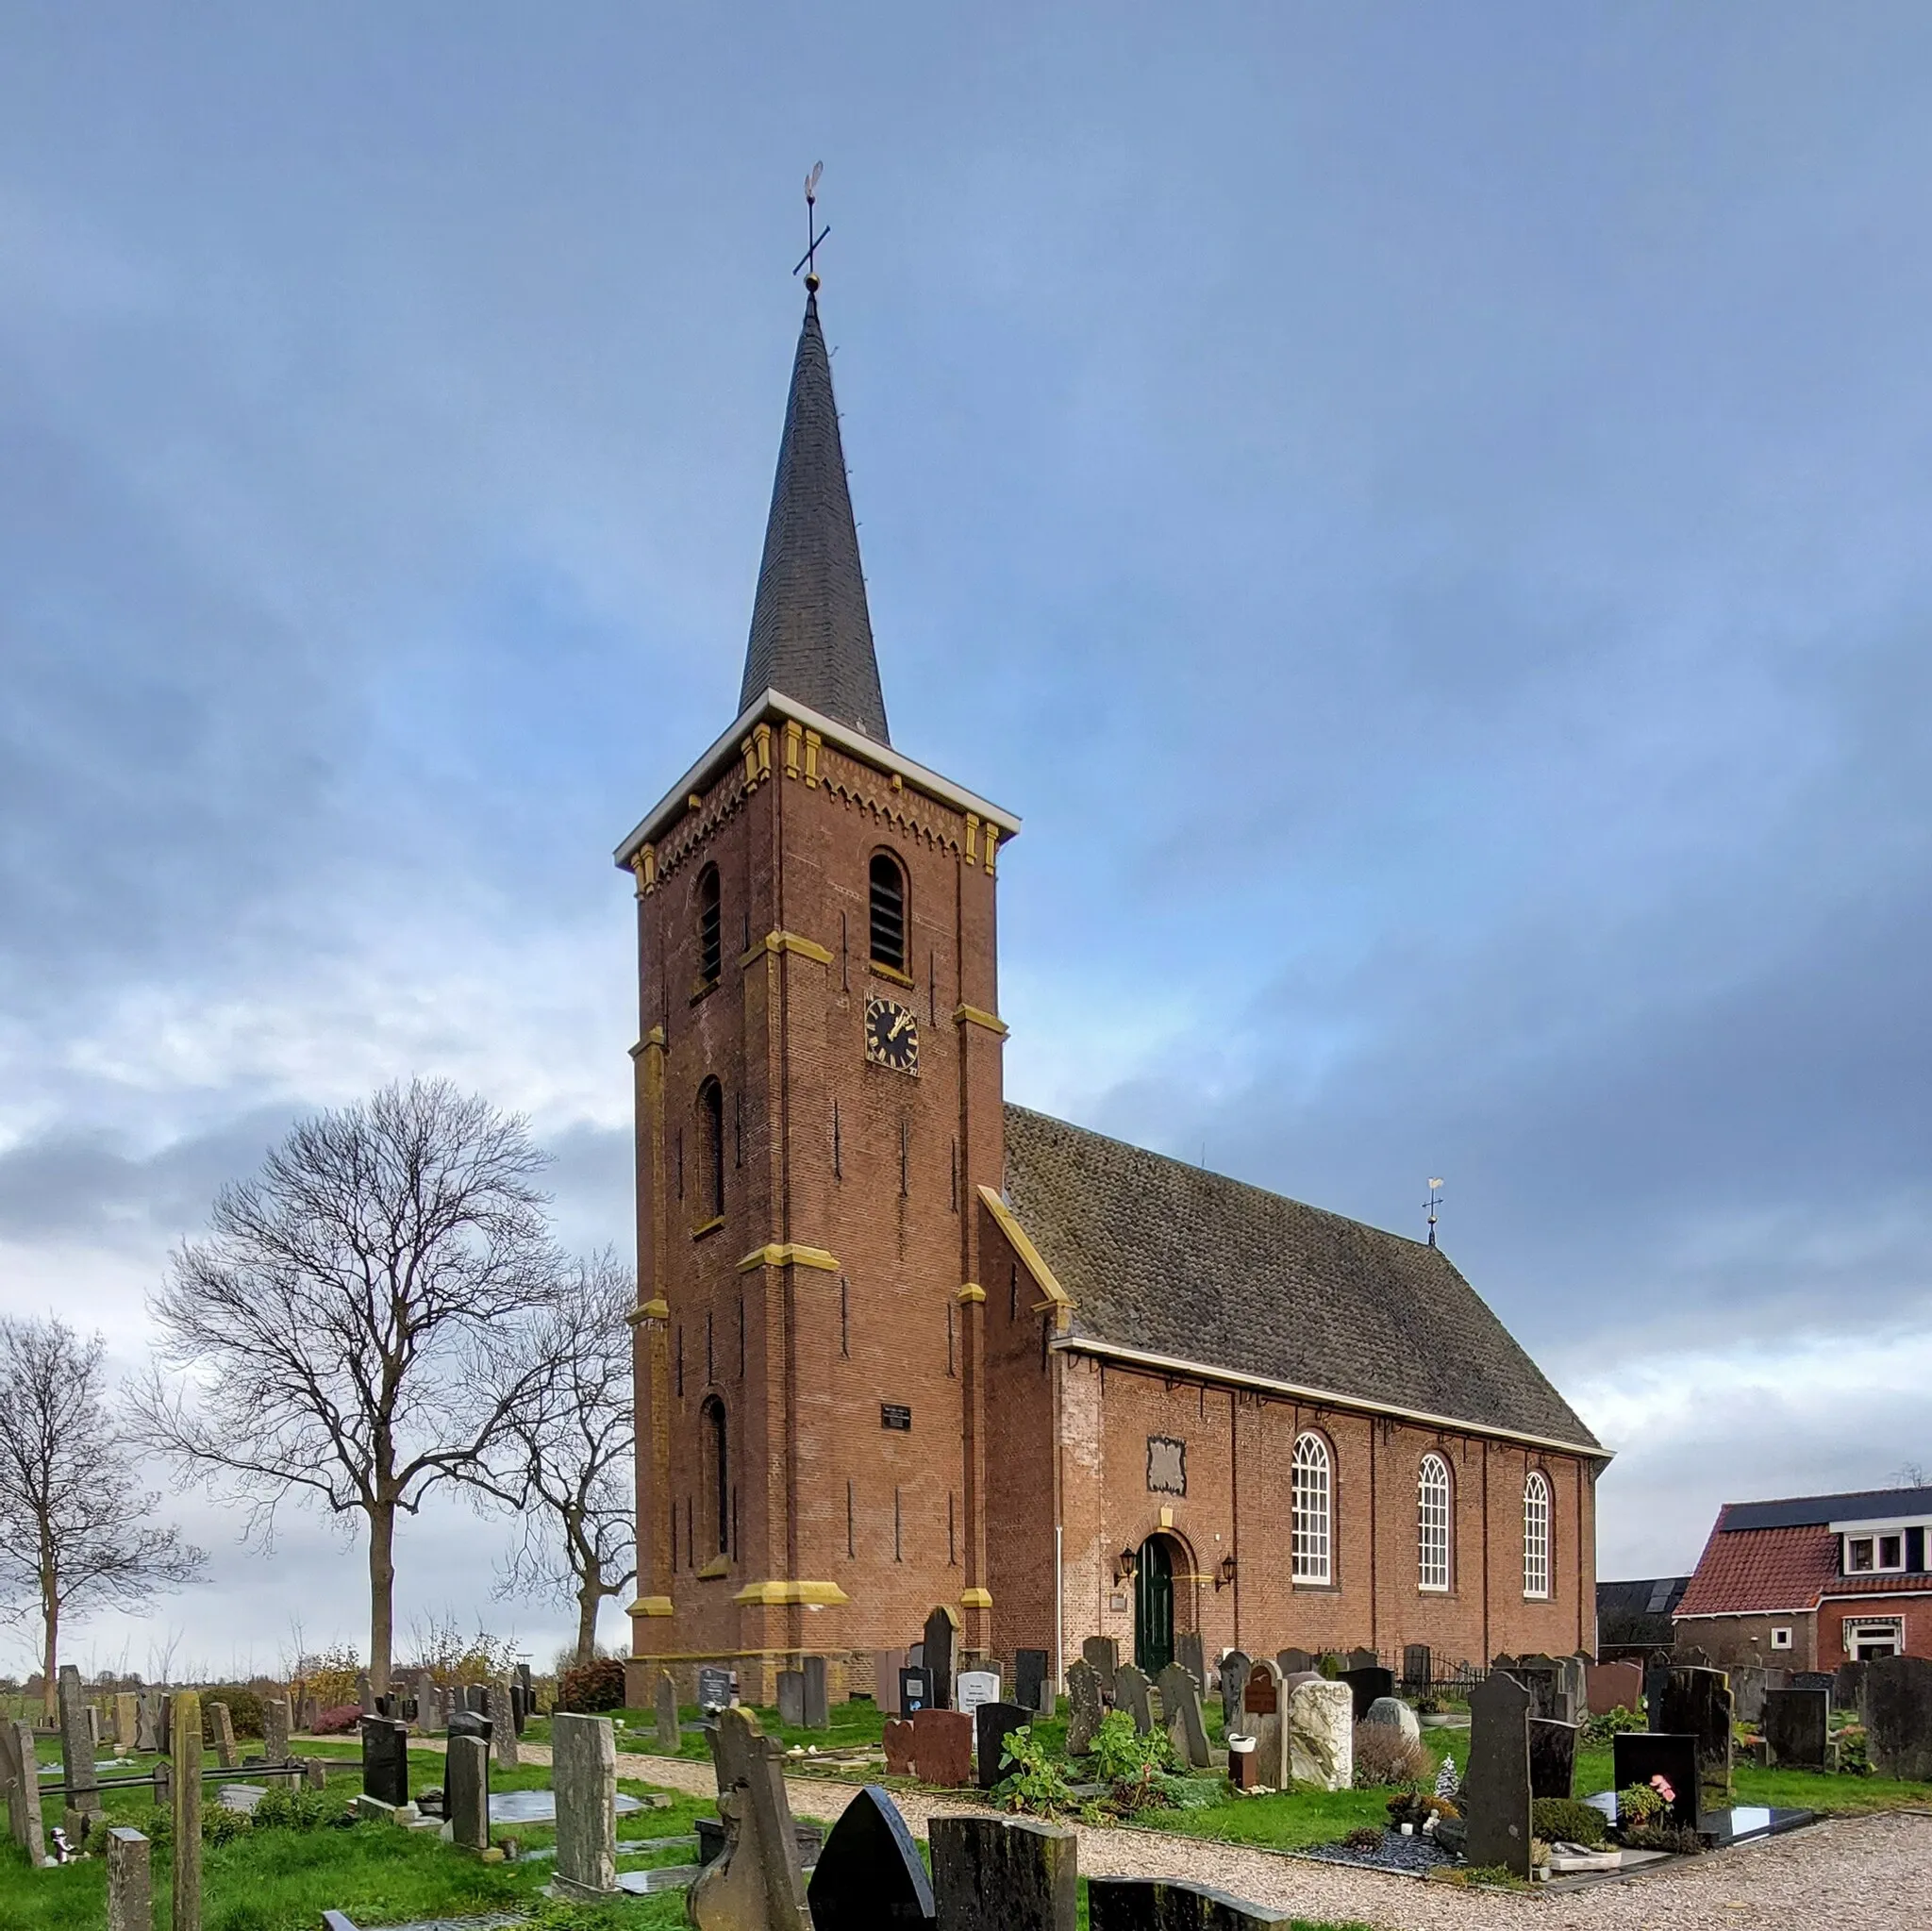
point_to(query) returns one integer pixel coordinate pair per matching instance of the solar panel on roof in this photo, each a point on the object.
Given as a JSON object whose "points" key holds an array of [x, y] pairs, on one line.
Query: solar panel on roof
{"points": [[1806, 1511]]}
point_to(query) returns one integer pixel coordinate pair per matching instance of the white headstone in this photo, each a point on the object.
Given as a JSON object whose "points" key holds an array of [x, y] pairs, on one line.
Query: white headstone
{"points": [[976, 1687]]}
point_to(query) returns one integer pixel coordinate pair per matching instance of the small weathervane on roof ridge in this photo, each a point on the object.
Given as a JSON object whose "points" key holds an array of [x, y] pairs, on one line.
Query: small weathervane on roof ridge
{"points": [[814, 233], [1434, 1201]]}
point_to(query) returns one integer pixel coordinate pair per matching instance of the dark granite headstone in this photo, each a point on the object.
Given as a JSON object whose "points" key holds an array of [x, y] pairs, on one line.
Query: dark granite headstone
{"points": [[1654, 1677], [1003, 1873], [870, 1875], [1848, 1690], [1367, 1683], [1029, 1681], [1415, 1667], [466, 1792], [1184, 1721], [791, 1699], [993, 1723], [1189, 1654], [714, 1689], [941, 1636], [915, 1691], [1085, 1707], [386, 1760], [1165, 1904], [818, 1714], [1897, 1706], [1640, 1755], [1814, 1680], [1697, 1703], [1551, 1758], [1102, 1654], [466, 1723], [1235, 1666], [1797, 1726], [1495, 1787]]}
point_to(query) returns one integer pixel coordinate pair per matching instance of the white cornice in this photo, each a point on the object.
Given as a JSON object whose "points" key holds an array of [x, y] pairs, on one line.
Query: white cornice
{"points": [[854, 743]]}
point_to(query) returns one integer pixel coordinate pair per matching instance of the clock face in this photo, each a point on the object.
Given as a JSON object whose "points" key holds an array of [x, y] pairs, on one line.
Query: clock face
{"points": [[892, 1035]]}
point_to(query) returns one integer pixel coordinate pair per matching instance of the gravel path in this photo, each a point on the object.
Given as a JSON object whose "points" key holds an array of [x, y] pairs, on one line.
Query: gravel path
{"points": [[1860, 1873]]}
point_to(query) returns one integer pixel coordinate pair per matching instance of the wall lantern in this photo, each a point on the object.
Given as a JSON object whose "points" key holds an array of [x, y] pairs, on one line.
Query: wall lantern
{"points": [[1224, 1576], [1124, 1566]]}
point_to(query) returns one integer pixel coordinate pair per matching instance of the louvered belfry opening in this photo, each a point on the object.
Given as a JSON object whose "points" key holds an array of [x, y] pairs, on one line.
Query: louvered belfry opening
{"points": [[888, 913], [711, 927]]}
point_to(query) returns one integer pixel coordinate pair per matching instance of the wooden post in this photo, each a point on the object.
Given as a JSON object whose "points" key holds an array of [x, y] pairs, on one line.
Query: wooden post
{"points": [[187, 1755]]}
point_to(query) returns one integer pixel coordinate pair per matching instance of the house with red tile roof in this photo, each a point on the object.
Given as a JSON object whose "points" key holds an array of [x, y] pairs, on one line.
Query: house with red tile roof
{"points": [[1813, 1581]]}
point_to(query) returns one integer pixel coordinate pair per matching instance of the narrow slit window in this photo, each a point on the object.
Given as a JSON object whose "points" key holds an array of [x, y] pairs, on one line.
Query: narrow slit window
{"points": [[719, 1460], [888, 913], [711, 927], [711, 1127]]}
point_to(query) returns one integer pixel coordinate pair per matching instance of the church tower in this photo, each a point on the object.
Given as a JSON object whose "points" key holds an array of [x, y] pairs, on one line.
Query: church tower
{"points": [[818, 1089]]}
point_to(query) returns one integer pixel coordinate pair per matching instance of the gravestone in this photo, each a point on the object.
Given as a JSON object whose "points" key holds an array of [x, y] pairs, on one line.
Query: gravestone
{"points": [[1814, 1680], [1539, 1675], [897, 1740], [311, 1715], [1613, 1685], [975, 1687], [1654, 1677], [1181, 1713], [885, 1665], [1574, 1708], [1415, 1669], [184, 1746], [993, 1723], [1897, 1707], [148, 1731], [818, 1714], [1748, 1686], [670, 1736], [1085, 1707], [1640, 1755], [1235, 1666], [1551, 1758], [130, 1884], [386, 1760], [1797, 1726], [76, 1745], [1189, 1654], [23, 1790], [365, 1695], [275, 1729], [942, 1637], [1130, 1694], [1390, 1712], [1849, 1686], [1030, 1688], [715, 1689], [1265, 1719], [915, 1691], [1102, 1654], [755, 1881], [126, 1718], [503, 1725], [222, 1731], [1003, 1873], [466, 1723], [1361, 1659], [1495, 1787], [1368, 1683], [466, 1793], [942, 1747], [1166, 1904], [870, 1873], [583, 1771], [791, 1699], [1296, 1662], [1321, 1734], [1697, 1703]]}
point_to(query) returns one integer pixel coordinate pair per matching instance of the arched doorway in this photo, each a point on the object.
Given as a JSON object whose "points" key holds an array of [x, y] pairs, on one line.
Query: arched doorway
{"points": [[1154, 1606]]}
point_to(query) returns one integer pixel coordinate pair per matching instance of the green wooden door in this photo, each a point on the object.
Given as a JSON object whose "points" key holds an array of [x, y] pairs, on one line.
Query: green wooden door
{"points": [[1154, 1607]]}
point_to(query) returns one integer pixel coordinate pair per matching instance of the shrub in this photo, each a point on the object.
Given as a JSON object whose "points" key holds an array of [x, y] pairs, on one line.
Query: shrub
{"points": [[1638, 1804], [244, 1712], [1190, 1793], [1678, 1838], [1854, 1757], [1597, 1731], [592, 1688], [1037, 1783], [280, 1807], [1129, 1762], [1559, 1818], [220, 1825], [1384, 1756], [1365, 1839], [339, 1722], [329, 1675]]}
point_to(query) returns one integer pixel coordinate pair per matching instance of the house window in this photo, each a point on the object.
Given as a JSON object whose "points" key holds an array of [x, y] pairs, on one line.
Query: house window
{"points": [[888, 913], [1432, 1523], [711, 1148], [1781, 1636], [1535, 1535], [1868, 1638], [1868, 1555], [1309, 1555], [718, 1468], [710, 928]]}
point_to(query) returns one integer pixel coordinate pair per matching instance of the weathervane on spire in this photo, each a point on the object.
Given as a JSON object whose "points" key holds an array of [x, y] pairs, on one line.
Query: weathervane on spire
{"points": [[814, 233], [1434, 1201]]}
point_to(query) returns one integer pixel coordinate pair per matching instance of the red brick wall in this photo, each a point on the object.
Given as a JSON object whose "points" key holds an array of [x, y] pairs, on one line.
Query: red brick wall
{"points": [[1833, 1614]]}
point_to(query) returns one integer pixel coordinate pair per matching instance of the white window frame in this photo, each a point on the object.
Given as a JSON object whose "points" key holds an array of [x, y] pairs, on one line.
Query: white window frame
{"points": [[1312, 1490], [1781, 1636], [1536, 1536], [1874, 1542], [1876, 1628], [1435, 1508]]}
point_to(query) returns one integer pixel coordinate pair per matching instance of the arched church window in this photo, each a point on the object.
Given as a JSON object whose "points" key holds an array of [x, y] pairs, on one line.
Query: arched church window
{"points": [[1432, 1523], [1311, 1538], [1536, 1534], [717, 1469], [888, 913], [711, 1148], [711, 927]]}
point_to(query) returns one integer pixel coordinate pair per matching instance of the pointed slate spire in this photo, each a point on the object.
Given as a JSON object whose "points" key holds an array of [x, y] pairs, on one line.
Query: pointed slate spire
{"points": [[811, 630]]}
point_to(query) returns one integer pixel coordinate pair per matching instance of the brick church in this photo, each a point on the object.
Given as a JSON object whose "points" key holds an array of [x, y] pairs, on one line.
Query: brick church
{"points": [[902, 1343]]}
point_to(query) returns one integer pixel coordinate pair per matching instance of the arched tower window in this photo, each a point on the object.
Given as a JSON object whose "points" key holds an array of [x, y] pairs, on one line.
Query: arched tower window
{"points": [[711, 927], [711, 1148], [717, 1471], [1311, 1539], [1432, 1523], [1536, 1534], [888, 913]]}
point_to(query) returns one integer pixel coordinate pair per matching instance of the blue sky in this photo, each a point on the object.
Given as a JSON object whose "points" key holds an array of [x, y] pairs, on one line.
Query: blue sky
{"points": [[1422, 511]]}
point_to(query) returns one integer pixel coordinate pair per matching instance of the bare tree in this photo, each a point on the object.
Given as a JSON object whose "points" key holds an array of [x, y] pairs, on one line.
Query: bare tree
{"points": [[340, 1326], [77, 1533], [566, 1459]]}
